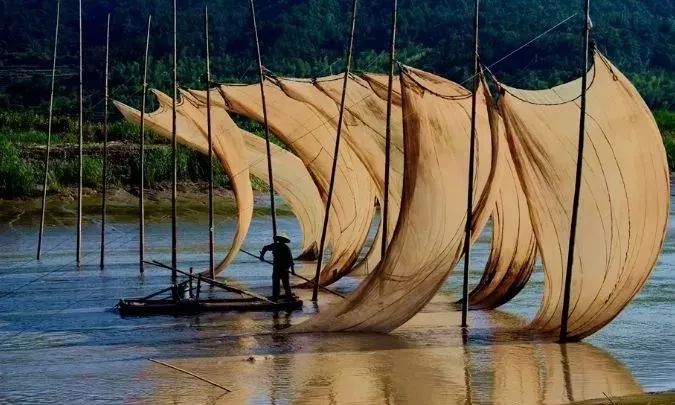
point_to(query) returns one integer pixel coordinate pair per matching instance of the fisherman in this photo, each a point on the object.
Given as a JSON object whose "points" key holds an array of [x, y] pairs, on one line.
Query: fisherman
{"points": [[283, 261]]}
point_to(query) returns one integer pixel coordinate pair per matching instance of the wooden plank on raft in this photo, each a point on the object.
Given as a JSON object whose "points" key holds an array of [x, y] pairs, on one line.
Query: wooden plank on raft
{"points": [[212, 282]]}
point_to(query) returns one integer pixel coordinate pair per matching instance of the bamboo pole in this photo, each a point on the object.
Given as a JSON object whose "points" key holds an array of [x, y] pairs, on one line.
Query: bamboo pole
{"points": [[49, 132], [336, 152], [213, 282], [472, 152], [261, 73], [210, 139], [104, 175], [387, 143], [141, 187], [190, 281], [190, 374], [78, 252], [296, 275], [174, 153], [577, 181]]}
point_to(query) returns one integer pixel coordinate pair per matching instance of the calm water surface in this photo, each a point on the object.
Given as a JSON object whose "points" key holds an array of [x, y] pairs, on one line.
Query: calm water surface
{"points": [[60, 342]]}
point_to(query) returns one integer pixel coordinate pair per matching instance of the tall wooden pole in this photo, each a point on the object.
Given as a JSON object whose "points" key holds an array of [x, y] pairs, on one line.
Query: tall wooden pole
{"points": [[577, 181], [261, 71], [336, 152], [210, 138], [387, 142], [174, 153], [104, 193], [141, 186], [472, 152], [78, 252], [49, 132]]}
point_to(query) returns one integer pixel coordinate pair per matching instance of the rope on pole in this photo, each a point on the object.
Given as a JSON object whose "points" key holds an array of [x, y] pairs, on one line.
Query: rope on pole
{"points": [[336, 152], [577, 181], [472, 152], [49, 132], [387, 142], [78, 253], [141, 186], [210, 140], [261, 72], [104, 174]]}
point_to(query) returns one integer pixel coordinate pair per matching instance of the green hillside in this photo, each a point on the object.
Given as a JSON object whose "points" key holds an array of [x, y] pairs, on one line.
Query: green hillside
{"points": [[307, 38]]}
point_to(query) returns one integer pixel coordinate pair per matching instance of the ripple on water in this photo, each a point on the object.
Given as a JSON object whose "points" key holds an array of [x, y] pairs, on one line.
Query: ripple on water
{"points": [[60, 343]]}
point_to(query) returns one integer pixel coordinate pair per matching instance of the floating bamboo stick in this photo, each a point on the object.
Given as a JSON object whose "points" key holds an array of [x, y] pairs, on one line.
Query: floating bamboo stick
{"points": [[190, 374], [49, 132], [336, 152]]}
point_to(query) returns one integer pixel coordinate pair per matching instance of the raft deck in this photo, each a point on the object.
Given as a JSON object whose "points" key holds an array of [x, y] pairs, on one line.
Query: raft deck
{"points": [[184, 300], [191, 306]]}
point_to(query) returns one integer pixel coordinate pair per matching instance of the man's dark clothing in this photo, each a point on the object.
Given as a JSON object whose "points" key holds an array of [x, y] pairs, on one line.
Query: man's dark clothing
{"points": [[283, 261]]}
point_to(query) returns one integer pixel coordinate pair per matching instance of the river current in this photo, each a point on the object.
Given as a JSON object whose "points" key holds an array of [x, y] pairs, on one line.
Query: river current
{"points": [[61, 341]]}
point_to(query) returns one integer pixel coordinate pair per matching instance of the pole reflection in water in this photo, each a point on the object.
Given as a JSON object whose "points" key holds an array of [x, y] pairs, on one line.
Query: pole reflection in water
{"points": [[60, 350], [441, 366]]}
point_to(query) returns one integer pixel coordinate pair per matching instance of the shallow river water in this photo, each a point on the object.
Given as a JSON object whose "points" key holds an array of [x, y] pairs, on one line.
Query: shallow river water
{"points": [[60, 341]]}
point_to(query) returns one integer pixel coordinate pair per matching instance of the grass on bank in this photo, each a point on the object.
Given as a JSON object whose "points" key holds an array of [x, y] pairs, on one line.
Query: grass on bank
{"points": [[21, 176], [21, 172]]}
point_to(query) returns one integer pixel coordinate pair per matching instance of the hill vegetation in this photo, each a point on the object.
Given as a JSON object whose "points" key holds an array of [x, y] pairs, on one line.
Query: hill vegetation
{"points": [[307, 38]]}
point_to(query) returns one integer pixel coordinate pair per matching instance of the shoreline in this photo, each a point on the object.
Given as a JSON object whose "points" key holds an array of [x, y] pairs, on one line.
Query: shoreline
{"points": [[648, 398], [122, 205]]}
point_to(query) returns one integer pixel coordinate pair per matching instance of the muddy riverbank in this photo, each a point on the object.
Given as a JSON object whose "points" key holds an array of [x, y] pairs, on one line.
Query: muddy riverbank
{"points": [[192, 202]]}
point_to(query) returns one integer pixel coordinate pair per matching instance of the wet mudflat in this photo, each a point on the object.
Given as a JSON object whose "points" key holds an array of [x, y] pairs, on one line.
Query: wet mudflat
{"points": [[60, 341]]}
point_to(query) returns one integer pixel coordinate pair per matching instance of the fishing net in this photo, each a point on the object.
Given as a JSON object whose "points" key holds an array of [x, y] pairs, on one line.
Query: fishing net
{"points": [[624, 204], [428, 239], [292, 181], [311, 136], [513, 251], [228, 147]]}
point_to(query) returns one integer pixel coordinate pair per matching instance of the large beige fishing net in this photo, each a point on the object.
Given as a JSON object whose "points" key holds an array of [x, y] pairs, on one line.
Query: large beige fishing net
{"points": [[364, 132], [311, 136], [428, 239], [292, 181], [228, 147], [294, 184], [623, 210], [380, 85], [367, 135], [513, 251]]}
